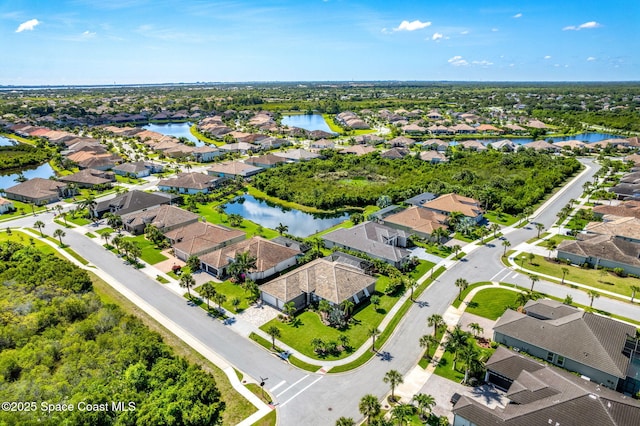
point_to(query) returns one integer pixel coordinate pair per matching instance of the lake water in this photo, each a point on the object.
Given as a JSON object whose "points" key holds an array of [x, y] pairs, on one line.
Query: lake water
{"points": [[5, 142], [584, 137], [306, 121], [43, 171], [269, 216], [179, 130]]}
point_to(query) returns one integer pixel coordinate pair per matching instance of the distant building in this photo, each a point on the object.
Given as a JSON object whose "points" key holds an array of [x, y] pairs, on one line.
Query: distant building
{"points": [[38, 191]]}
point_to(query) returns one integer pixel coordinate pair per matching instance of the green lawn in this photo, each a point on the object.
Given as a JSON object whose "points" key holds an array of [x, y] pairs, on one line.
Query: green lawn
{"points": [[503, 219], [459, 236], [21, 209], [150, 253], [421, 269], [26, 239], [556, 239], [492, 302], [589, 277], [230, 290], [308, 326], [251, 228], [457, 301], [577, 224], [445, 364]]}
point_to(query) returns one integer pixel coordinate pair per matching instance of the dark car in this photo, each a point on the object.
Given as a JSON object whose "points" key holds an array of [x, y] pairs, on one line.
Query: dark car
{"points": [[454, 398]]}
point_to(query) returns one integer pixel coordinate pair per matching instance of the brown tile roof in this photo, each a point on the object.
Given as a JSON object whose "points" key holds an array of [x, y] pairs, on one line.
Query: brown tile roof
{"points": [[357, 149], [161, 217], [192, 180], [455, 203], [201, 237], [267, 159], [268, 254], [628, 227], [541, 145], [36, 188], [472, 144], [90, 177], [625, 209], [234, 168], [332, 281], [418, 219], [604, 247]]}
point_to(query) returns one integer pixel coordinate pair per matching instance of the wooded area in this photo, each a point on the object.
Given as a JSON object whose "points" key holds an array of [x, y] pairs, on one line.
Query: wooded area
{"points": [[22, 155], [59, 344], [510, 181]]}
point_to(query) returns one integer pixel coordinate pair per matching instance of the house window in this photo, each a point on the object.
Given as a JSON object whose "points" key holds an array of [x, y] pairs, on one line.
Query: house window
{"points": [[560, 360], [550, 356]]}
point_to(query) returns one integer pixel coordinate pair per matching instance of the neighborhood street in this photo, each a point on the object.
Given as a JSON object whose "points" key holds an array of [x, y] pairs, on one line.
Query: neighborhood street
{"points": [[316, 399]]}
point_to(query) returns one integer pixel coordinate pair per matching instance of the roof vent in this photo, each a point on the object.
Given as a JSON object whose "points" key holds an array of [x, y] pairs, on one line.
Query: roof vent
{"points": [[592, 396]]}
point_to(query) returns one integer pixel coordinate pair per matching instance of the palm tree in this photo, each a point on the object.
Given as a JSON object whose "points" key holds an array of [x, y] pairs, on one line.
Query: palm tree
{"points": [[456, 249], [506, 244], [369, 407], [242, 263], [393, 378], [117, 242], [551, 245], [90, 204], [634, 290], [402, 413], [539, 228], [208, 291], [373, 332], [134, 252], [438, 234], [219, 298], [456, 341], [436, 321], [462, 284], [470, 354], [235, 219], [476, 328], [375, 301], [59, 233], [592, 295], [105, 235], [455, 218], [412, 284], [187, 281], [114, 221], [426, 341], [565, 271], [495, 228], [282, 228], [39, 224], [289, 309], [534, 279], [274, 332], [59, 208], [347, 307], [425, 402], [345, 421]]}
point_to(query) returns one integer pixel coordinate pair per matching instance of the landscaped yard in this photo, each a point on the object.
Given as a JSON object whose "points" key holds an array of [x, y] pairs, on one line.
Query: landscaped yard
{"points": [[213, 216], [231, 291], [26, 239], [458, 300], [150, 253], [308, 326], [445, 364], [502, 219], [492, 302], [556, 239], [589, 277]]}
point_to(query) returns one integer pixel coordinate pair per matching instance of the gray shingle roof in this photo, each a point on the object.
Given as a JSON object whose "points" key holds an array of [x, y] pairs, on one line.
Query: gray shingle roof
{"points": [[370, 237]]}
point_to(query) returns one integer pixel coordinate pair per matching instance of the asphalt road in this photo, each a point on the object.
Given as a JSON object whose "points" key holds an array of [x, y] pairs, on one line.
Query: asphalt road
{"points": [[315, 399]]}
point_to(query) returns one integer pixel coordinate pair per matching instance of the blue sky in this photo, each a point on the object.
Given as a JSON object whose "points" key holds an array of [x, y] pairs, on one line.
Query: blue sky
{"points": [[159, 41]]}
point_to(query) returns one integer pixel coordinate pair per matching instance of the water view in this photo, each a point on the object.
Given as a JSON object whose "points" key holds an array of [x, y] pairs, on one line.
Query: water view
{"points": [[179, 130], [5, 142], [306, 121], [269, 216], [43, 171], [584, 137]]}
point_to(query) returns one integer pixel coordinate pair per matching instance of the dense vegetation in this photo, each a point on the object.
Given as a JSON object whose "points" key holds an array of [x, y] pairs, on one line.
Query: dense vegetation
{"points": [[22, 155], [510, 181], [59, 344]]}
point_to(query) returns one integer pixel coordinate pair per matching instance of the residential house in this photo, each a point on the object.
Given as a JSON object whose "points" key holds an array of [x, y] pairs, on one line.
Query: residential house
{"points": [[437, 144], [402, 142], [243, 148], [395, 153], [488, 128], [604, 251], [504, 145], [6, 206], [321, 144], [462, 129], [89, 178], [205, 153], [573, 144], [138, 169], [541, 146], [164, 217], [414, 129], [190, 183], [433, 157], [514, 128], [373, 239], [626, 191], [320, 279], [439, 129], [291, 243], [449, 203], [271, 258], [418, 221], [626, 228], [629, 208], [297, 155], [272, 143], [199, 238], [130, 202], [369, 139], [420, 199], [266, 161], [38, 191], [232, 169], [537, 394], [594, 346], [472, 145], [357, 150]]}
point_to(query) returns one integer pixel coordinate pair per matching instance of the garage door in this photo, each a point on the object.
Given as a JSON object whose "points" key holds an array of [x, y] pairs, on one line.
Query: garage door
{"points": [[269, 299]]}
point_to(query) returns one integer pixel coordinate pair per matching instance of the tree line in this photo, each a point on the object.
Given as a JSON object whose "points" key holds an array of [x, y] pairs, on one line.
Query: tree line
{"points": [[21, 155]]}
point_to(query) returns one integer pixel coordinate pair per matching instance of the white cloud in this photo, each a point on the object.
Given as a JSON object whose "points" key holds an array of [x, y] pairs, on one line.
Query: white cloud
{"points": [[28, 25], [591, 59], [457, 61], [483, 63], [436, 36], [586, 26], [412, 26], [495, 30], [465, 32], [517, 15], [547, 57], [88, 34]]}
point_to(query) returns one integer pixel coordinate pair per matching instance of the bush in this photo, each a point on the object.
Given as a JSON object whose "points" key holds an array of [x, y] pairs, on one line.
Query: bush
{"points": [[619, 272]]}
